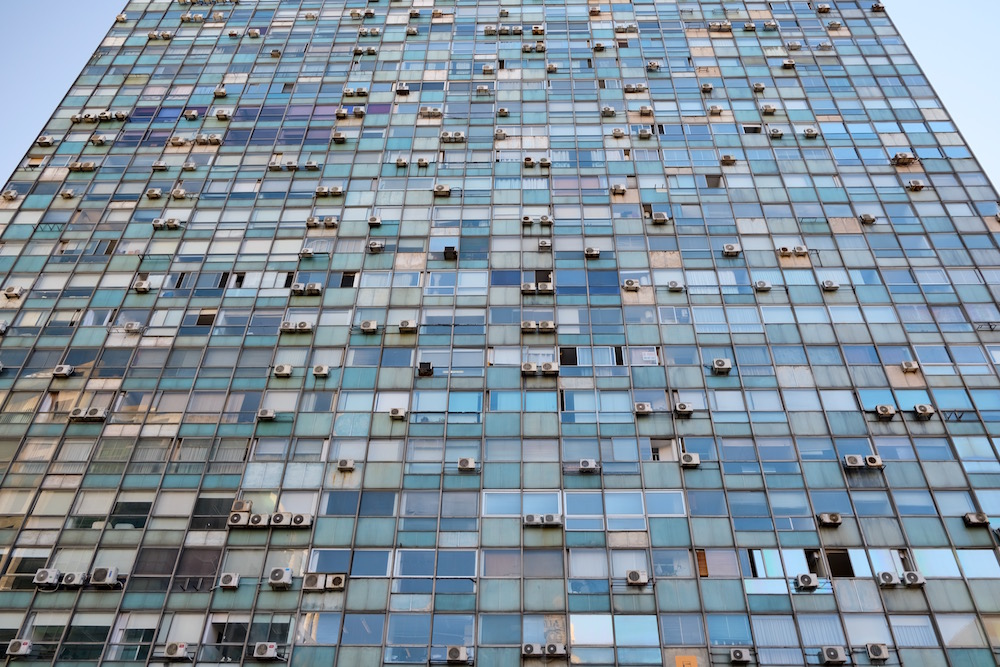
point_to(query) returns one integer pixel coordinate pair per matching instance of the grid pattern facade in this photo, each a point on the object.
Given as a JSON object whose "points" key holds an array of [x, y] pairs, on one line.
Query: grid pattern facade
{"points": [[357, 333]]}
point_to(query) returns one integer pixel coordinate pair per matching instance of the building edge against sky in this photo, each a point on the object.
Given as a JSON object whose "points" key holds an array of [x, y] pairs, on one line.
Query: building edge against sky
{"points": [[370, 333]]}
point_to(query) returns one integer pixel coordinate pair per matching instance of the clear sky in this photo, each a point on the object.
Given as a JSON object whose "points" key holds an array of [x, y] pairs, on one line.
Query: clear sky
{"points": [[44, 51]]}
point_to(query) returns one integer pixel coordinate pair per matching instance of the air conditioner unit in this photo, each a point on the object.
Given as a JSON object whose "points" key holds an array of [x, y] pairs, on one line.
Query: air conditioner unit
{"points": [[903, 159], [74, 579], [887, 579], [14, 292], [913, 579], [298, 289], [867, 219], [442, 190], [631, 285], [407, 326], [18, 647], [550, 368], [776, 133], [336, 191], [794, 46], [283, 371], [555, 650], [529, 368], [976, 519], [265, 651], [421, 162], [592, 253], [636, 578], [785, 251], [599, 46], [829, 519], [833, 655], [528, 650], [425, 369], [159, 165], [608, 112], [830, 286], [546, 288], [874, 461], [178, 193], [544, 244], [552, 68], [653, 66], [314, 289], [617, 133], [552, 519], [810, 133], [910, 366], [675, 286], [854, 461], [589, 465], [301, 520], [877, 651], [806, 582], [345, 465], [281, 519], [618, 189], [547, 326], [280, 578], [189, 166], [457, 654], [306, 253], [528, 288], [369, 326], [645, 110], [238, 519], [923, 411], [397, 414], [722, 366], [62, 371], [482, 90], [684, 410], [660, 218], [321, 371], [467, 463], [9, 195], [707, 87], [176, 651], [690, 460], [715, 110], [313, 582], [339, 138], [336, 582], [739, 656], [46, 577], [529, 326], [878, 7], [885, 412], [731, 250], [264, 414], [104, 576], [915, 185], [643, 408], [223, 114], [594, 11]]}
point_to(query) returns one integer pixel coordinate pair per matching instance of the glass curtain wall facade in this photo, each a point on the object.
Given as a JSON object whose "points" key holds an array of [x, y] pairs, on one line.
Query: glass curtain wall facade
{"points": [[362, 333]]}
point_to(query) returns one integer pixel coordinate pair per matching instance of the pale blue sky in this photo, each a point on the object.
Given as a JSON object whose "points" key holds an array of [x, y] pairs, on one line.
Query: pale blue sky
{"points": [[44, 52]]}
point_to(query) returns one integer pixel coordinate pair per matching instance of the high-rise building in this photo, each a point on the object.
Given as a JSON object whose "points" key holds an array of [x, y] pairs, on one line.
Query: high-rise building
{"points": [[474, 332]]}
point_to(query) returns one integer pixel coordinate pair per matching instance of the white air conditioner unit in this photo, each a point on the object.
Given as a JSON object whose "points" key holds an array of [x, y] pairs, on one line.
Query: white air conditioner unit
{"points": [[104, 576], [74, 579], [46, 577], [690, 460], [608, 112], [321, 371], [886, 579], [281, 519], [527, 650], [731, 250], [591, 253], [722, 366], [874, 461], [885, 412], [442, 190], [280, 578], [265, 651], [529, 368], [176, 651], [408, 326], [833, 655], [345, 465], [806, 582], [529, 326], [660, 218], [675, 286], [313, 582], [830, 285], [301, 520], [913, 579], [555, 650], [14, 292], [643, 408], [739, 656], [369, 326], [684, 410], [466, 463], [715, 110], [550, 368], [265, 414], [63, 371], [283, 371], [810, 133], [618, 189], [544, 244], [636, 577], [457, 654], [238, 519], [915, 185], [762, 286], [910, 366], [854, 461], [776, 133], [653, 66], [877, 651], [923, 411], [588, 465], [829, 518], [707, 88], [223, 114], [630, 285], [18, 647], [546, 288], [397, 414]]}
